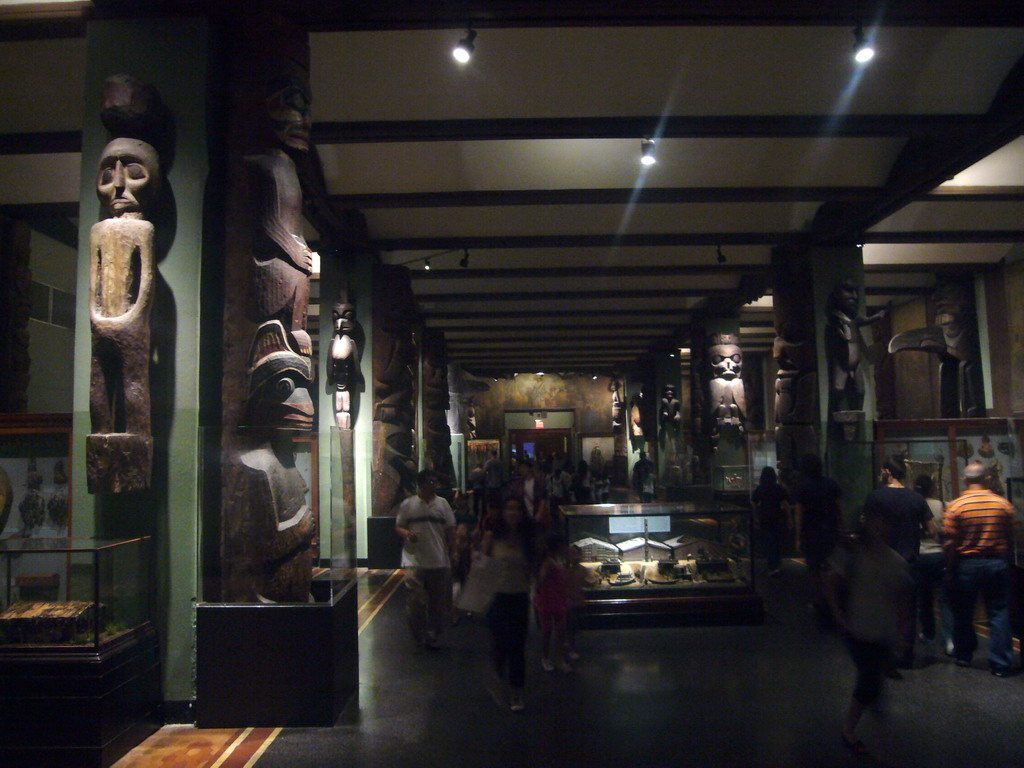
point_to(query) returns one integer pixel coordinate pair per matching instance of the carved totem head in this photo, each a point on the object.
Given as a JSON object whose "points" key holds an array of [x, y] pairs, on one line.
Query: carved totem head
{"points": [[278, 377], [344, 315], [846, 297], [726, 357], [129, 178], [289, 101]]}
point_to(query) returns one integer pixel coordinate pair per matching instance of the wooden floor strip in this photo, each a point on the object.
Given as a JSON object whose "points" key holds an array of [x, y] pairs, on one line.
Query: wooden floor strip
{"points": [[380, 597]]}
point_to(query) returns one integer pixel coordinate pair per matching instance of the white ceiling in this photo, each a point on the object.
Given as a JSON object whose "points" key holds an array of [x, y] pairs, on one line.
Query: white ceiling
{"points": [[528, 157]]}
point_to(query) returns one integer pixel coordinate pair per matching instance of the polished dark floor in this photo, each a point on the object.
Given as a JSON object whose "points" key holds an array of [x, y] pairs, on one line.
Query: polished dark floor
{"points": [[770, 695]]}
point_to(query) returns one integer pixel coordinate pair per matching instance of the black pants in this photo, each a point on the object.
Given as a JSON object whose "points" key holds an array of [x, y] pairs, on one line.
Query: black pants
{"points": [[509, 620], [871, 660]]}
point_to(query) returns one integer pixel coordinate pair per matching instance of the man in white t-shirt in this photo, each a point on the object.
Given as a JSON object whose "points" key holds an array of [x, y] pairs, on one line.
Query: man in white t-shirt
{"points": [[426, 524]]}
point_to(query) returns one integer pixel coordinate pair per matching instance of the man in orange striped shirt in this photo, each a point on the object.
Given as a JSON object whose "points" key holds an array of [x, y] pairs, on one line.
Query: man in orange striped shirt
{"points": [[977, 538]]}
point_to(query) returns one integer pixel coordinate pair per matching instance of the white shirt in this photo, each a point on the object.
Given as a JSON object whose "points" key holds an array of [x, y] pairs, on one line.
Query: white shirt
{"points": [[430, 521], [877, 577]]}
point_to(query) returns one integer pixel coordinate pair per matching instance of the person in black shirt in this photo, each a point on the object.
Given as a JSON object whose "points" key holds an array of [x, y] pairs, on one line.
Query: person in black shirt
{"points": [[816, 501], [770, 502], [909, 516]]}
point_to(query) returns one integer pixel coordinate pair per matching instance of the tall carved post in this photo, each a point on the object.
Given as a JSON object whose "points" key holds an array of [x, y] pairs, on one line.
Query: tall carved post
{"points": [[620, 460], [394, 356], [700, 461], [343, 366], [726, 396], [122, 264], [435, 408], [266, 526], [795, 352]]}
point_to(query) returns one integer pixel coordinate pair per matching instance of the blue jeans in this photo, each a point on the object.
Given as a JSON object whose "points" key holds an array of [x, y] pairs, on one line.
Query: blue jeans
{"points": [[927, 571], [990, 577]]}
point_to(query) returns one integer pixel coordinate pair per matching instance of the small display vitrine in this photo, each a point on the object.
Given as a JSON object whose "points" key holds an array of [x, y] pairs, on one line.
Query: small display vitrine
{"points": [[664, 563]]}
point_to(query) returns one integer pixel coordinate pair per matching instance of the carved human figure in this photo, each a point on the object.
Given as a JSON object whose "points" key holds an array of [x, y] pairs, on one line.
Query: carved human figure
{"points": [[954, 338], [669, 412], [470, 419], [121, 278], [796, 390], [618, 407], [726, 393], [343, 365], [435, 406], [845, 347], [282, 261], [281, 525]]}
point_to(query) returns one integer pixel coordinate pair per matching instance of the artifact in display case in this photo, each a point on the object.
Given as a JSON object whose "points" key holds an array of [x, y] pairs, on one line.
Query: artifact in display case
{"points": [[34, 461], [80, 594], [663, 561]]}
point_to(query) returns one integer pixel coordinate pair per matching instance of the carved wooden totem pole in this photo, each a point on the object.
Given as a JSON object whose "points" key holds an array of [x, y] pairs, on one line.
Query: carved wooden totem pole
{"points": [[122, 262], [267, 527], [620, 458], [848, 357], [394, 416], [954, 338], [726, 397], [343, 366], [796, 384], [435, 407]]}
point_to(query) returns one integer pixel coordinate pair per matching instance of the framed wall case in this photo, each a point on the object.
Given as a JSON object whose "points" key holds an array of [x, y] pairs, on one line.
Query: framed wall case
{"points": [[664, 563]]}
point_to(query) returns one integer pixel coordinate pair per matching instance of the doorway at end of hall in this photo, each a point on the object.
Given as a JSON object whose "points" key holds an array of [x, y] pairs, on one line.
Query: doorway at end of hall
{"points": [[534, 443]]}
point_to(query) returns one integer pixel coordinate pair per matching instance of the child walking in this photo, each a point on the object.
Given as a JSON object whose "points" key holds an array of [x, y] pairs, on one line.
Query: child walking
{"points": [[552, 603]]}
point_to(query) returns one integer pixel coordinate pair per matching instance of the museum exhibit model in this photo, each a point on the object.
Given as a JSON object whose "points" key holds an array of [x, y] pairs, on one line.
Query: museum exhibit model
{"points": [[664, 563]]}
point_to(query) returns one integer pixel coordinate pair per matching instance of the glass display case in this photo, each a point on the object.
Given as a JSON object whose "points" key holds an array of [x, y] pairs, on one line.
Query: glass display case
{"points": [[666, 561], [35, 469], [72, 593], [296, 525]]}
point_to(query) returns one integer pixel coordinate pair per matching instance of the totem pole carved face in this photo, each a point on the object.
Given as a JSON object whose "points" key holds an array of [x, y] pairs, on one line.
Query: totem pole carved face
{"points": [[344, 315], [846, 297], [726, 361], [953, 307], [279, 378], [289, 100], [129, 178]]}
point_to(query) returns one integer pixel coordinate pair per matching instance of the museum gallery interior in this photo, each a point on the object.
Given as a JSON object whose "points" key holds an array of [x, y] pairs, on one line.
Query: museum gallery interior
{"points": [[261, 263]]}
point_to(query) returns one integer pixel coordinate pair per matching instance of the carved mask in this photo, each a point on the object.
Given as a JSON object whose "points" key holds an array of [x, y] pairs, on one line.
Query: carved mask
{"points": [[129, 177], [726, 361], [288, 105], [846, 297], [344, 318]]}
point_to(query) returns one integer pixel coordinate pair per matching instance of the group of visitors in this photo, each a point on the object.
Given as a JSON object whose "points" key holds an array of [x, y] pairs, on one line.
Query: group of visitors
{"points": [[527, 554], [880, 582]]}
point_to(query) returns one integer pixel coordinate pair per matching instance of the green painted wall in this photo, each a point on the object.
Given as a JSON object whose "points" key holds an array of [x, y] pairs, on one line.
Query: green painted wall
{"points": [[175, 61], [51, 347]]}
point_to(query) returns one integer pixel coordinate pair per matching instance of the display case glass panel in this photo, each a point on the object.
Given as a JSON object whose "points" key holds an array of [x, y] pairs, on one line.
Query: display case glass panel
{"points": [[661, 549], [74, 593], [34, 476], [300, 525]]}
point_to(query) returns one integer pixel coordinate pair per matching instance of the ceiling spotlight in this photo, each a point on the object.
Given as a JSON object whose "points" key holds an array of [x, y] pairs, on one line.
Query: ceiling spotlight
{"points": [[463, 52], [595, 378], [863, 51], [721, 255], [464, 261], [540, 373], [647, 152], [426, 263]]}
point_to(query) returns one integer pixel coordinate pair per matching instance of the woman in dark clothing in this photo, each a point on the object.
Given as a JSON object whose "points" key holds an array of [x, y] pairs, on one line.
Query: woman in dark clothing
{"points": [[770, 502], [509, 543]]}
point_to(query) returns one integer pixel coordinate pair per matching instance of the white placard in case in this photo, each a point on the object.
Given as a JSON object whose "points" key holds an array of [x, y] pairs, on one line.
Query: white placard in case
{"points": [[655, 524]]}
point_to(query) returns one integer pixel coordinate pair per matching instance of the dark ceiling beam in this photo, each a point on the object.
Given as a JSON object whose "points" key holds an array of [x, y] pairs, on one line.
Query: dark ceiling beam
{"points": [[652, 240], [486, 14], [925, 162], [687, 270], [672, 127], [40, 143], [638, 317], [568, 295], [621, 196], [443, 243], [931, 268]]}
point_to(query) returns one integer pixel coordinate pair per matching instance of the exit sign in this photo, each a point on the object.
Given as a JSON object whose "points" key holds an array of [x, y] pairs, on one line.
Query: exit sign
{"points": [[538, 423]]}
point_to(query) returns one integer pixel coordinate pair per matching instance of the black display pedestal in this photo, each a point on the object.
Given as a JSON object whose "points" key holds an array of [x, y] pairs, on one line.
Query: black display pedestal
{"points": [[383, 547], [276, 665], [64, 708], [739, 608]]}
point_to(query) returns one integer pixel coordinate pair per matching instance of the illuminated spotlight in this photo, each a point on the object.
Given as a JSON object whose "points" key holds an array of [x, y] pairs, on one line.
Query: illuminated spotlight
{"points": [[647, 152], [463, 52], [863, 51], [426, 263], [540, 373], [595, 378]]}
